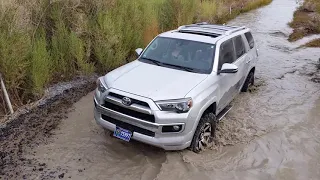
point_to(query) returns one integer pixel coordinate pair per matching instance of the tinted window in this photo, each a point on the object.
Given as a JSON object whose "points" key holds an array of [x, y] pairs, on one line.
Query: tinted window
{"points": [[250, 39], [239, 46], [227, 54]]}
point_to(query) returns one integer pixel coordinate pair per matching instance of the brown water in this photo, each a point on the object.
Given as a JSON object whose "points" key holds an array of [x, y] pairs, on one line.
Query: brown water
{"points": [[273, 132]]}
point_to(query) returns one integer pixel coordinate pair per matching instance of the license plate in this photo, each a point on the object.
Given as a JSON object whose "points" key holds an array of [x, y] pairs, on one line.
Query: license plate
{"points": [[122, 134]]}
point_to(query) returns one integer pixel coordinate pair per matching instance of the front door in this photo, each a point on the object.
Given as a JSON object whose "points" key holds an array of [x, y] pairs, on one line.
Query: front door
{"points": [[226, 81], [231, 51]]}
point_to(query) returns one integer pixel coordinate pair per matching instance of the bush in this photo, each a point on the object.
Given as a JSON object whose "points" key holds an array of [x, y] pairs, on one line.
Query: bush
{"points": [[15, 47], [208, 11], [40, 65], [79, 52], [106, 43]]}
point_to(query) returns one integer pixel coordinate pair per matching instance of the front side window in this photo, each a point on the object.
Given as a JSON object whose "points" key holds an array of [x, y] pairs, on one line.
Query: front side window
{"points": [[181, 54], [227, 53]]}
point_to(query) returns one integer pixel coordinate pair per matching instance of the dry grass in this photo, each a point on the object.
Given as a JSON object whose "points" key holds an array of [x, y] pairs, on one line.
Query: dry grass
{"points": [[306, 20], [313, 43], [47, 41], [220, 11]]}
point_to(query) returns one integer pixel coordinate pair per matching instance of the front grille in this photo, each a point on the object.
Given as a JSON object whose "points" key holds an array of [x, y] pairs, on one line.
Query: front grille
{"points": [[134, 101], [127, 126], [129, 112]]}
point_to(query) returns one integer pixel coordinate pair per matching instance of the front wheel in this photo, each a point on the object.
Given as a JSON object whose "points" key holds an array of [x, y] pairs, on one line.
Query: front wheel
{"points": [[204, 134]]}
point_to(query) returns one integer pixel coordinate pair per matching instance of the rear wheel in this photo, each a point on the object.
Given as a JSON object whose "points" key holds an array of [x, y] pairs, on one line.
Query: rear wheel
{"points": [[249, 82], [204, 134]]}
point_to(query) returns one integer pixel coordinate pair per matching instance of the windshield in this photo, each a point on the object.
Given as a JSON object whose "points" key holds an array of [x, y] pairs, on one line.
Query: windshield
{"points": [[182, 54]]}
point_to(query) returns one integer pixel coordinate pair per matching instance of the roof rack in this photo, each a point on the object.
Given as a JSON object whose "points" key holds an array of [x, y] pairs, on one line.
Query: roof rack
{"points": [[205, 33], [212, 26], [192, 25], [235, 30], [228, 30]]}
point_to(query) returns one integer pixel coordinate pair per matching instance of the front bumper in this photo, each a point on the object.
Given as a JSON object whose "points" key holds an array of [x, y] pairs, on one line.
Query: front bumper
{"points": [[167, 141]]}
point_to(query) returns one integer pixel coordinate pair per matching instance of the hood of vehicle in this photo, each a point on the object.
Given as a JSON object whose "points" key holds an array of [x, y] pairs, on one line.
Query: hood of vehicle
{"points": [[155, 82]]}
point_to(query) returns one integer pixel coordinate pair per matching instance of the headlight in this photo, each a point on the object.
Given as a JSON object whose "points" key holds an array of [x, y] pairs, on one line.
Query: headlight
{"points": [[179, 105], [101, 86]]}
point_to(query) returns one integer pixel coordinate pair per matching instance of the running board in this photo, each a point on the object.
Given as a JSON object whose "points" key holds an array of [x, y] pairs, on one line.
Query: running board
{"points": [[224, 112]]}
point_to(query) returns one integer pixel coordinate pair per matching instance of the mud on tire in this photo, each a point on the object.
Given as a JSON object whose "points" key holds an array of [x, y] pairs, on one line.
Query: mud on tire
{"points": [[200, 140]]}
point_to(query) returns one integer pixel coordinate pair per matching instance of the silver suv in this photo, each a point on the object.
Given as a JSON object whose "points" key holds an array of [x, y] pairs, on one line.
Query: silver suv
{"points": [[179, 87]]}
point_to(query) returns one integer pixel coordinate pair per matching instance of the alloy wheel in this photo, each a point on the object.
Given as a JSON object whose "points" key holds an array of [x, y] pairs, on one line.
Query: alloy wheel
{"points": [[205, 137]]}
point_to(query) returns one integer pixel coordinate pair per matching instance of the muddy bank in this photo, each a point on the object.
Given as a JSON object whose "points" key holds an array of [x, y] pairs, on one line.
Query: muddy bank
{"points": [[306, 21], [32, 126]]}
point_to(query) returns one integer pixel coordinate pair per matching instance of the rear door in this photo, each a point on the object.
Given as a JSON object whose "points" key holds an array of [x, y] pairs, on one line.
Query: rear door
{"points": [[252, 51], [241, 59]]}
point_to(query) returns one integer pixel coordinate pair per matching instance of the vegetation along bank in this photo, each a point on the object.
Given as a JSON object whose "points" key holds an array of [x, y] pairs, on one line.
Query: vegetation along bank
{"points": [[306, 22], [43, 42]]}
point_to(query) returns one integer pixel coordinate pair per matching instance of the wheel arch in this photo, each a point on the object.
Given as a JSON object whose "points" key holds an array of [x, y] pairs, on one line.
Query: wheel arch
{"points": [[211, 109], [253, 69]]}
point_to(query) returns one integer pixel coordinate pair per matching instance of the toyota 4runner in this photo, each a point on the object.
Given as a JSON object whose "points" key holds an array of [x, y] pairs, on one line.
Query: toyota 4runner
{"points": [[180, 85]]}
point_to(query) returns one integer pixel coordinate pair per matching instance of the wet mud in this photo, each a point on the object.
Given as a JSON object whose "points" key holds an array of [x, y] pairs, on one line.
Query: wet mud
{"points": [[33, 125], [272, 132]]}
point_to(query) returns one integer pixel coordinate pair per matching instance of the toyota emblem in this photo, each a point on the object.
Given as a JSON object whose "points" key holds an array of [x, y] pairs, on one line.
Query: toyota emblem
{"points": [[126, 101]]}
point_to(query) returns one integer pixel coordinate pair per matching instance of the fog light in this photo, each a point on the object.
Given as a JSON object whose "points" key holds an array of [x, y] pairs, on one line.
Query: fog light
{"points": [[174, 128]]}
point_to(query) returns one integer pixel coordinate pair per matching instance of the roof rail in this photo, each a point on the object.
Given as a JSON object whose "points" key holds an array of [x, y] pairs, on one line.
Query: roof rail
{"points": [[214, 27], [235, 30], [202, 23], [192, 25]]}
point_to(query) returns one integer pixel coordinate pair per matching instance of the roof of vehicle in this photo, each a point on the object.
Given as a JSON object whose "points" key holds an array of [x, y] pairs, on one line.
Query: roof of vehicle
{"points": [[203, 32]]}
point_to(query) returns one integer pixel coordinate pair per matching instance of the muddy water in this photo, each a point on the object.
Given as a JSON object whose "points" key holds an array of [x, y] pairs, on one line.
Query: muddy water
{"points": [[273, 132]]}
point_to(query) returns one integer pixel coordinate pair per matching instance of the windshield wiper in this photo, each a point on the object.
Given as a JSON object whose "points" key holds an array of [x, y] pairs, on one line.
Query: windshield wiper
{"points": [[181, 67], [153, 61], [167, 64]]}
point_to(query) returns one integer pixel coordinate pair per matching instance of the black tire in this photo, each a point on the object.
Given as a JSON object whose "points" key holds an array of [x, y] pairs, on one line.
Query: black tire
{"points": [[249, 81], [207, 119]]}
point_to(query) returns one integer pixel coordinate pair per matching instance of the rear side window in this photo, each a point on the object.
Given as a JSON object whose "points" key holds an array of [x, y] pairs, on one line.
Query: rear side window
{"points": [[250, 39], [227, 54], [239, 46]]}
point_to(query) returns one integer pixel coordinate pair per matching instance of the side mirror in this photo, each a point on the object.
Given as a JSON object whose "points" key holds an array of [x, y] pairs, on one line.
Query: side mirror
{"points": [[139, 51], [228, 68]]}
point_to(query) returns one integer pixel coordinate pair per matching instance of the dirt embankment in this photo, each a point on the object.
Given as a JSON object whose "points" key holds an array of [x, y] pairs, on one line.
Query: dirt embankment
{"points": [[33, 125], [306, 21]]}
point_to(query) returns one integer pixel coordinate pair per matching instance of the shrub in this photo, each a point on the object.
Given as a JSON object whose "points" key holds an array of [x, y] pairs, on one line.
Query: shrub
{"points": [[15, 47], [208, 11], [78, 52], [40, 65], [106, 43]]}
